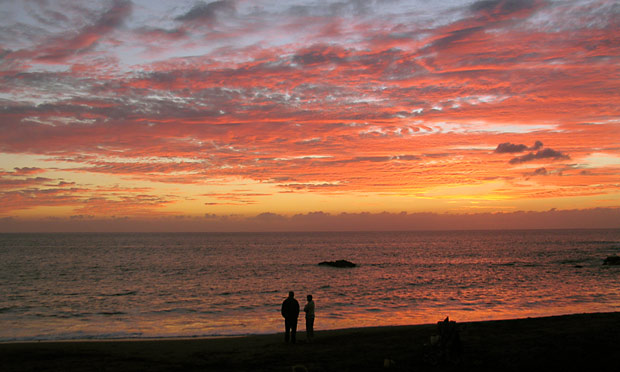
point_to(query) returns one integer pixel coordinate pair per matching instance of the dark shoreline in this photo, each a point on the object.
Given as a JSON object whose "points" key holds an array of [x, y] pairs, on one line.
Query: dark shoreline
{"points": [[588, 342]]}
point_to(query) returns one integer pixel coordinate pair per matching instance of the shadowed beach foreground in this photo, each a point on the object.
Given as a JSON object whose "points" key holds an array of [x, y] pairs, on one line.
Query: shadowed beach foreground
{"points": [[571, 342]]}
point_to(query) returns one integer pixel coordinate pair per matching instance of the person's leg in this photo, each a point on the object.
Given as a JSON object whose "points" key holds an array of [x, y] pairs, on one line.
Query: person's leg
{"points": [[293, 330], [310, 328], [287, 331]]}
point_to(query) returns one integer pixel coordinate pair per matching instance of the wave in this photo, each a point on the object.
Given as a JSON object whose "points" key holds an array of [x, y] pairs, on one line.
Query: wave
{"points": [[110, 313], [506, 264], [62, 315], [75, 336], [598, 242], [84, 336], [119, 294], [178, 310], [572, 261]]}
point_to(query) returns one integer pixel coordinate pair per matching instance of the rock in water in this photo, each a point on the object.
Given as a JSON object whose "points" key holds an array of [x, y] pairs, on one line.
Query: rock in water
{"points": [[612, 260], [339, 263]]}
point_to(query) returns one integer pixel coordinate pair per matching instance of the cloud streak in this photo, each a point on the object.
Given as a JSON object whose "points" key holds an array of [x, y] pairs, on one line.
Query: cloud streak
{"points": [[207, 12], [508, 147]]}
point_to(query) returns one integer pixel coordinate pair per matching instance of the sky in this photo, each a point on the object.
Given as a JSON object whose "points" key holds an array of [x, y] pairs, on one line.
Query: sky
{"points": [[130, 115]]}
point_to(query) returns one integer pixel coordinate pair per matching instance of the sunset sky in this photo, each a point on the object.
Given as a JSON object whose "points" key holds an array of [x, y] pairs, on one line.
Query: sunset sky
{"points": [[119, 115]]}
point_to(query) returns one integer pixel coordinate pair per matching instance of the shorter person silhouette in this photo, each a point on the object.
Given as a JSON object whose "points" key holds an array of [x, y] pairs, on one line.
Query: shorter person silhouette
{"points": [[309, 310], [290, 312]]}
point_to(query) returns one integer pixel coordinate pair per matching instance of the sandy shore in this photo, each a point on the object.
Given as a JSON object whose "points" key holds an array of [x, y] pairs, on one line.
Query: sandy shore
{"points": [[587, 342]]}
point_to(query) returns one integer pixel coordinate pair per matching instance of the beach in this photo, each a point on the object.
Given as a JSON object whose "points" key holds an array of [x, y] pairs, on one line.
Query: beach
{"points": [[569, 342]]}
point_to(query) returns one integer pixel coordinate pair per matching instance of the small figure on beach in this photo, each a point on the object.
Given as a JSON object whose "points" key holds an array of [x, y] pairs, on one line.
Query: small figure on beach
{"points": [[309, 310], [290, 312]]}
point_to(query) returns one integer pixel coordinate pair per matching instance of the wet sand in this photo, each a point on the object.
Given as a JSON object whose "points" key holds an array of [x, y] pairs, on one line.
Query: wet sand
{"points": [[587, 342]]}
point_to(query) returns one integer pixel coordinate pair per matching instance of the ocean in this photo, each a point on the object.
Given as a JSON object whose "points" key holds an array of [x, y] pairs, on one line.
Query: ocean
{"points": [[144, 285]]}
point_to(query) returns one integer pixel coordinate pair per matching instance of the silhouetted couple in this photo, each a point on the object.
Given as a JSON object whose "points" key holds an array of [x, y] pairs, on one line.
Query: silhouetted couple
{"points": [[290, 312]]}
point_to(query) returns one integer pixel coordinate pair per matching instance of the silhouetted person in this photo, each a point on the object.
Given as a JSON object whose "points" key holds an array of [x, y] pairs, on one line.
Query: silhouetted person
{"points": [[309, 310], [290, 312]]}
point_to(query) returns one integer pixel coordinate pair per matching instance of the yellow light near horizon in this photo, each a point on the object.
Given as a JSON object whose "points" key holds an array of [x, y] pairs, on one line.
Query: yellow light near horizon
{"points": [[484, 191]]}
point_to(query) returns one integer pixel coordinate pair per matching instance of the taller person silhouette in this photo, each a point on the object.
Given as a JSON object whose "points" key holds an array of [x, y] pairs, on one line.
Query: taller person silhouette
{"points": [[290, 312]]}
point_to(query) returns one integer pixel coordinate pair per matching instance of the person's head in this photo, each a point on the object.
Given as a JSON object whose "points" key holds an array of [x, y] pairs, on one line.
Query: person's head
{"points": [[309, 297], [291, 294]]}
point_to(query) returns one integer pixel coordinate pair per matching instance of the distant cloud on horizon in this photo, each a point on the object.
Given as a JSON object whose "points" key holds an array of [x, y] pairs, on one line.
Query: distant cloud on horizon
{"points": [[322, 221]]}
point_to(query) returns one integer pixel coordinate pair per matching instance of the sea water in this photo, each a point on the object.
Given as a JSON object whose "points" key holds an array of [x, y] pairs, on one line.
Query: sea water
{"points": [[101, 286]]}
